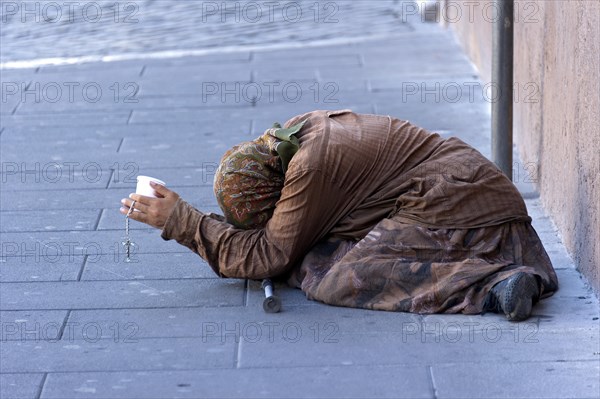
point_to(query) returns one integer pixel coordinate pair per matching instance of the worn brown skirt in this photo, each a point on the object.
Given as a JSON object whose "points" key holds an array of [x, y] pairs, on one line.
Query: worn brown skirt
{"points": [[410, 268]]}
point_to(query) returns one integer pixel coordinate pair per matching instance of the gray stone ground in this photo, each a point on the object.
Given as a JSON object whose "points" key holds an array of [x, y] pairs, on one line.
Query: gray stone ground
{"points": [[79, 322]]}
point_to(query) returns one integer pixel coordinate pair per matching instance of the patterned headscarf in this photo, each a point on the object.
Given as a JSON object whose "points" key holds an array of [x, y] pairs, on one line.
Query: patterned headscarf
{"points": [[250, 177]]}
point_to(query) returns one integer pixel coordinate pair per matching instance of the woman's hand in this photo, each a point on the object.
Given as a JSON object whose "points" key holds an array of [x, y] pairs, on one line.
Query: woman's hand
{"points": [[152, 211]]}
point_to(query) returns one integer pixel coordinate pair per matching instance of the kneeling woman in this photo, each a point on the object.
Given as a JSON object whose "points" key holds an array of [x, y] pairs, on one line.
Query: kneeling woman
{"points": [[366, 211]]}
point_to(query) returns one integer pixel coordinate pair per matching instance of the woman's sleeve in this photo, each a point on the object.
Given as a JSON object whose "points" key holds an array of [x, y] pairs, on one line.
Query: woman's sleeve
{"points": [[309, 207]]}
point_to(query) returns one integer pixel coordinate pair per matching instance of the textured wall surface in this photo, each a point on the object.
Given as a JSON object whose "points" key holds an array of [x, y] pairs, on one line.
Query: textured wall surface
{"points": [[557, 110]]}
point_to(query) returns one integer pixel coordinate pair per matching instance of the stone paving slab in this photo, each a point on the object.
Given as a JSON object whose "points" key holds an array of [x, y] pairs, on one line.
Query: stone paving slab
{"points": [[121, 294], [263, 114], [341, 87], [559, 313], [62, 267], [141, 65], [67, 120], [344, 54], [8, 105], [201, 61], [57, 150], [41, 267], [572, 284], [150, 267], [321, 382], [127, 354], [405, 72], [438, 116], [32, 325], [111, 102], [94, 199], [196, 87], [200, 152], [200, 176], [83, 71], [230, 71], [351, 64], [422, 37], [420, 86], [26, 178], [554, 314], [207, 95], [13, 83], [289, 73], [451, 328], [316, 323], [427, 53], [523, 380], [306, 55], [19, 386], [98, 245], [45, 220], [423, 348], [77, 94], [542, 224], [406, 111], [209, 128], [559, 257], [196, 116], [324, 94]]}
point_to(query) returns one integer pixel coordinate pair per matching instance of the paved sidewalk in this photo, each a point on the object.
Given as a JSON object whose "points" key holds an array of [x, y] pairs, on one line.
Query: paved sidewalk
{"points": [[79, 322]]}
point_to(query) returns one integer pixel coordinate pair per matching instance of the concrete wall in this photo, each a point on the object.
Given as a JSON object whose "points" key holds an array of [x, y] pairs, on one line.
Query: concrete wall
{"points": [[557, 113]]}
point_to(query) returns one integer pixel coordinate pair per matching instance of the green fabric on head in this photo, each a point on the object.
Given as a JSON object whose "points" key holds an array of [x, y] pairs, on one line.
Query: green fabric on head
{"points": [[289, 144]]}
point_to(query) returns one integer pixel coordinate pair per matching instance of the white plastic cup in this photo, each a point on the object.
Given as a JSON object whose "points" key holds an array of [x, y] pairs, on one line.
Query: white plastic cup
{"points": [[144, 188]]}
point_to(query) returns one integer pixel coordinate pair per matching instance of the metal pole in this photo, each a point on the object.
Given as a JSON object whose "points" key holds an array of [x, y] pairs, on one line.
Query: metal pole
{"points": [[271, 303], [502, 78]]}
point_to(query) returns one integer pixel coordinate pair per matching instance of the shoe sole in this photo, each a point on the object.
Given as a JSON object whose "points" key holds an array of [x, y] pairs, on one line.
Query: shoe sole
{"points": [[523, 288]]}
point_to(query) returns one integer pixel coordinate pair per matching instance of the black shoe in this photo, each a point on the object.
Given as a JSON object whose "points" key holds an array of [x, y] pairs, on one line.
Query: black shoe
{"points": [[514, 296]]}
